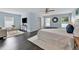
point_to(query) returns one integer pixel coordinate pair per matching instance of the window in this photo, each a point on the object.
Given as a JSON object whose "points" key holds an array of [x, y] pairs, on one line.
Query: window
{"points": [[9, 21], [77, 11], [47, 22], [64, 21]]}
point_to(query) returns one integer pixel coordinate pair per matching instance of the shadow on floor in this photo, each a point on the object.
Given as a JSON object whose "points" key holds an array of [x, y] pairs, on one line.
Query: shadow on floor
{"points": [[2, 42]]}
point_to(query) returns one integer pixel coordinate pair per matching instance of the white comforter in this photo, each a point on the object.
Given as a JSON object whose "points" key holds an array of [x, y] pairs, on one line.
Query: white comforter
{"points": [[55, 39]]}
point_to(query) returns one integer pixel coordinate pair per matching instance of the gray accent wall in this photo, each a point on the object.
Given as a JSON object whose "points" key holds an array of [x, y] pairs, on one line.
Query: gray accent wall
{"points": [[58, 24], [17, 19]]}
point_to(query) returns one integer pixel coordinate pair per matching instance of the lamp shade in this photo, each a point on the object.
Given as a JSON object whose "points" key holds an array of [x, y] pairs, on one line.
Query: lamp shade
{"points": [[69, 28]]}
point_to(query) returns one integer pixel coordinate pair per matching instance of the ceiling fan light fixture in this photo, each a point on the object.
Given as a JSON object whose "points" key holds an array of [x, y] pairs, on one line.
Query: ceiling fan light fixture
{"points": [[48, 10]]}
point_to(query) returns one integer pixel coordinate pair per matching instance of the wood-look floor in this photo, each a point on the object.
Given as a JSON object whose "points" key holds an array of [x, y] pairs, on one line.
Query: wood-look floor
{"points": [[19, 42]]}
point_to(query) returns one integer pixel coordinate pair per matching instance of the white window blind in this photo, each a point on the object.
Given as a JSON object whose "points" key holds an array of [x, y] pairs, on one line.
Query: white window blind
{"points": [[9, 21], [47, 22]]}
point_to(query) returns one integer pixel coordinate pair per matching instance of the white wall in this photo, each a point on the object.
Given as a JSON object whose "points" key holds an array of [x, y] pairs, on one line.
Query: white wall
{"points": [[33, 22]]}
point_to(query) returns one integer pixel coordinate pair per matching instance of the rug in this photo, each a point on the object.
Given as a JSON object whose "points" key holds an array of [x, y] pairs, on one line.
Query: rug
{"points": [[38, 42], [14, 33]]}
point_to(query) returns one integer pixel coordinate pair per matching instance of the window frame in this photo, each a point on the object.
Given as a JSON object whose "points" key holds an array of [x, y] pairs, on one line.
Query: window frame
{"points": [[63, 25], [6, 21]]}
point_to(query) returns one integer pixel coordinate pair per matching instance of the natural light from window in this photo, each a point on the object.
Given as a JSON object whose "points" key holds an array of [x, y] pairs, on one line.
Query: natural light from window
{"points": [[9, 21], [64, 22], [47, 22]]}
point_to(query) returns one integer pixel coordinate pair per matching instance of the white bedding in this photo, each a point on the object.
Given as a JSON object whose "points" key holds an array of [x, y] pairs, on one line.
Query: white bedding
{"points": [[54, 39]]}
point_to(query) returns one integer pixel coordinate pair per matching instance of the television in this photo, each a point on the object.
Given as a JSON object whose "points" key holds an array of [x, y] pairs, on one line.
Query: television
{"points": [[24, 20]]}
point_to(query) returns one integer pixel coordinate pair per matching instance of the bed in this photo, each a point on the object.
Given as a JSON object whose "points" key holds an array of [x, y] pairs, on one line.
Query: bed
{"points": [[53, 39]]}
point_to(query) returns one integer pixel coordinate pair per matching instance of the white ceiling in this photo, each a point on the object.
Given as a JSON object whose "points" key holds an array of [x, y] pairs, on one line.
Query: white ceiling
{"points": [[60, 11], [37, 10], [21, 10]]}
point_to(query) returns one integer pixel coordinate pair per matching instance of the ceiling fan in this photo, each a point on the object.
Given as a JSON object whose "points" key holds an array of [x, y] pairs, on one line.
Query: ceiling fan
{"points": [[48, 10]]}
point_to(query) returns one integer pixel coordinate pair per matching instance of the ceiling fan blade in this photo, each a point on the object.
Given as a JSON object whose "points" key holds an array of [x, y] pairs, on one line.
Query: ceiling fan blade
{"points": [[46, 10], [51, 10]]}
